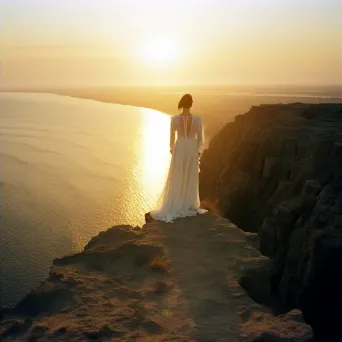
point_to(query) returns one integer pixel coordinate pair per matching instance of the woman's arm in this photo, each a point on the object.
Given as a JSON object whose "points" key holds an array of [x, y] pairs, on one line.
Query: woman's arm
{"points": [[200, 136], [172, 133]]}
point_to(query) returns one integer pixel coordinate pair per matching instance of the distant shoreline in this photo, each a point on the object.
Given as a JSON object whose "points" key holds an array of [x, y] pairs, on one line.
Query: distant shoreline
{"points": [[217, 105]]}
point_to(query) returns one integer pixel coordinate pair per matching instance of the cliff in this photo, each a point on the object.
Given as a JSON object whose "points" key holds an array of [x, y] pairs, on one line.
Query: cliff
{"points": [[277, 171], [197, 279]]}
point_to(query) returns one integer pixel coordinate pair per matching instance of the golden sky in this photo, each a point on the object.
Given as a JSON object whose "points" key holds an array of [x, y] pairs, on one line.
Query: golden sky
{"points": [[103, 42]]}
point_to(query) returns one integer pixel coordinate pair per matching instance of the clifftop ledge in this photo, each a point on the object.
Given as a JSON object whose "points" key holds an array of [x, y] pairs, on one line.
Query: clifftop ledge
{"points": [[165, 282]]}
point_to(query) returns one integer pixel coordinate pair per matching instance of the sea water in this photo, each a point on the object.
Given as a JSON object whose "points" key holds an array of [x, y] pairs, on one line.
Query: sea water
{"points": [[70, 168]]}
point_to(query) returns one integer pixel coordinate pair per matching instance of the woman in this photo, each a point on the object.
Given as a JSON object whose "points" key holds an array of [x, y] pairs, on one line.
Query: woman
{"points": [[180, 196]]}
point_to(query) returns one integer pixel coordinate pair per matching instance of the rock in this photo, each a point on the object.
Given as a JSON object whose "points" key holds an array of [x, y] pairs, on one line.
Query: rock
{"points": [[3, 311], [256, 281], [104, 332], [283, 328], [152, 327], [37, 332], [114, 236], [271, 167], [320, 300], [18, 328], [290, 193], [48, 297], [311, 190]]}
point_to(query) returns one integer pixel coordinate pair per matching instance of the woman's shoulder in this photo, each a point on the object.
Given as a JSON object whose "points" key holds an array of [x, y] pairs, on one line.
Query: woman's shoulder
{"points": [[177, 116], [174, 119]]}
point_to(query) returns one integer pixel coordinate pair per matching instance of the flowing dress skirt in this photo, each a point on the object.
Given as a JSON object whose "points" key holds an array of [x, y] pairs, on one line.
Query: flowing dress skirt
{"points": [[180, 196]]}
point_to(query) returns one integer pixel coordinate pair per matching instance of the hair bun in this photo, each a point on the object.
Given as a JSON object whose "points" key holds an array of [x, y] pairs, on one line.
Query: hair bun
{"points": [[185, 102]]}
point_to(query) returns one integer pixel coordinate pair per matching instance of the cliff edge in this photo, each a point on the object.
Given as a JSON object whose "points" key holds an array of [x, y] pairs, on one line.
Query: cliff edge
{"points": [[277, 171], [194, 280]]}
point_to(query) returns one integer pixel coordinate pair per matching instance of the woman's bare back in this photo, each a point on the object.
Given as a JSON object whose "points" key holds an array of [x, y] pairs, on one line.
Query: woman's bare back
{"points": [[185, 124]]}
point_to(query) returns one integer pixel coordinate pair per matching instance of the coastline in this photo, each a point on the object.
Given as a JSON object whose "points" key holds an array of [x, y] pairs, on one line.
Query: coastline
{"points": [[215, 111]]}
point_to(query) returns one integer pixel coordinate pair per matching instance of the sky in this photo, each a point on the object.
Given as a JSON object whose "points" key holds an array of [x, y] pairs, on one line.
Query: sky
{"points": [[135, 42]]}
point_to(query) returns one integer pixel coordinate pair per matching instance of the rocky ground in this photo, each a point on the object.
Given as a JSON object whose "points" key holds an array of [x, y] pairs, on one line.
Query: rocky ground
{"points": [[198, 279], [277, 171]]}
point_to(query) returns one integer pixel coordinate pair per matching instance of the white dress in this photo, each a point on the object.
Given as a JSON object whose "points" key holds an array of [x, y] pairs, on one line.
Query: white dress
{"points": [[180, 195]]}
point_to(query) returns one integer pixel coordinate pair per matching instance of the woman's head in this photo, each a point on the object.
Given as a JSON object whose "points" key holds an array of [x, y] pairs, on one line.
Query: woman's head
{"points": [[185, 101]]}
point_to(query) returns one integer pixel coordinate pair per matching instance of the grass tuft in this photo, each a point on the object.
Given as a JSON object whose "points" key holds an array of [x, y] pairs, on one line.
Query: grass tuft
{"points": [[160, 264]]}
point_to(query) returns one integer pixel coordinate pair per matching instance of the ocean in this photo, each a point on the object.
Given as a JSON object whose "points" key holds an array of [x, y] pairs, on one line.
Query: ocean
{"points": [[70, 168]]}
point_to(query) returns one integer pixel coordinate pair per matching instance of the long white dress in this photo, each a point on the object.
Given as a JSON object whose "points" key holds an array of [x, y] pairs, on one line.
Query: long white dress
{"points": [[180, 195]]}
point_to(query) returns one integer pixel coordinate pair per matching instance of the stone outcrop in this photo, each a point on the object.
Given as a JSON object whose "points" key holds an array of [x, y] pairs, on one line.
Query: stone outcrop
{"points": [[198, 279], [277, 171]]}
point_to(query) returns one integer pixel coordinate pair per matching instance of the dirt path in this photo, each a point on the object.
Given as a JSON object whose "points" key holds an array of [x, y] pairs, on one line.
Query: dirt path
{"points": [[205, 256]]}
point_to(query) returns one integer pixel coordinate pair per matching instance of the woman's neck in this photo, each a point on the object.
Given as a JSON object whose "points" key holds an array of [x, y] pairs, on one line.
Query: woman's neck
{"points": [[186, 111]]}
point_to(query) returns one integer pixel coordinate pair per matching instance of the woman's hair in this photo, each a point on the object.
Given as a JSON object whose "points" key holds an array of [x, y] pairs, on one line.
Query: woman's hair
{"points": [[185, 101]]}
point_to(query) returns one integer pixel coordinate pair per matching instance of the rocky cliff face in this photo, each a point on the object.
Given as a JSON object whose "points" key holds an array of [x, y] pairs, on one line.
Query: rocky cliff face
{"points": [[277, 170]]}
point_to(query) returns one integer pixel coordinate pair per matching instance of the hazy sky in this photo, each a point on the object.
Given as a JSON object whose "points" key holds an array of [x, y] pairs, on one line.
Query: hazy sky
{"points": [[65, 42]]}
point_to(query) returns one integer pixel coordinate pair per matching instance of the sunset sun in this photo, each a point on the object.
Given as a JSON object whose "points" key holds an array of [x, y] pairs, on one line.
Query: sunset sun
{"points": [[160, 52]]}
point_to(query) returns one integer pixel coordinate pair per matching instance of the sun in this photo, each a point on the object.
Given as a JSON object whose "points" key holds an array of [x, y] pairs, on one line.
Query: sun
{"points": [[160, 51]]}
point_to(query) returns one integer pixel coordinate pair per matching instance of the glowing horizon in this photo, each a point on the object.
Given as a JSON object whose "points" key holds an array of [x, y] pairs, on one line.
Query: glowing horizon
{"points": [[163, 42]]}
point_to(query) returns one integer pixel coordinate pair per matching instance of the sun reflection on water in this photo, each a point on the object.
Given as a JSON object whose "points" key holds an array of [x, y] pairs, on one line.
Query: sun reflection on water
{"points": [[146, 177], [155, 155]]}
